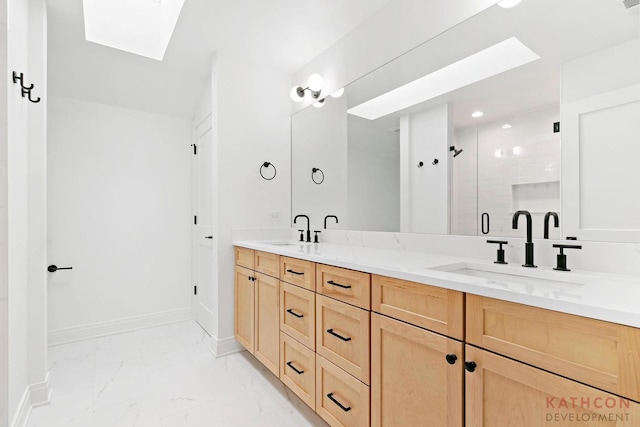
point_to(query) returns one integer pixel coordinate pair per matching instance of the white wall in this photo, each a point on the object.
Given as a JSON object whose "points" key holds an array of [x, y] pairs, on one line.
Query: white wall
{"points": [[373, 155], [119, 213], [393, 30], [425, 137], [464, 182], [251, 126]]}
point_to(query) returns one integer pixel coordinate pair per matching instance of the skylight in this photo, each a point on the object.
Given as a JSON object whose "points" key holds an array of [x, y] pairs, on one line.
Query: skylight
{"points": [[142, 27], [501, 57]]}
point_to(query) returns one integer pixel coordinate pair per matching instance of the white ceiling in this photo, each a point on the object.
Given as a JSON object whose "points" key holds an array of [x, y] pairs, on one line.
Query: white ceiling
{"points": [[284, 33]]}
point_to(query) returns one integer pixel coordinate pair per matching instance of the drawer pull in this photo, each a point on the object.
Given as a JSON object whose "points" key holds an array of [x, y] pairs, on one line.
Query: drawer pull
{"points": [[295, 272], [451, 359], [470, 366], [299, 316], [344, 408], [331, 282], [289, 364], [339, 336]]}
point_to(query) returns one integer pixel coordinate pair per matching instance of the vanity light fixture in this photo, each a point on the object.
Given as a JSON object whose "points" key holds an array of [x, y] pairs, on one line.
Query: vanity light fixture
{"points": [[507, 4], [504, 56], [477, 114], [314, 86], [338, 93], [319, 103]]}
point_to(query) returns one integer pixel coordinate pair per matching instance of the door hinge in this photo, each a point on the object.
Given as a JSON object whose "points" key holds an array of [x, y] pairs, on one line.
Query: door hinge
{"points": [[195, 149], [195, 220], [195, 290]]}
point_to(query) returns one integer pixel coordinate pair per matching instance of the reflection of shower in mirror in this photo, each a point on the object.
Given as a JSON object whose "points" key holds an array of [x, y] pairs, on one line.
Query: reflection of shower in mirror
{"points": [[455, 152]]}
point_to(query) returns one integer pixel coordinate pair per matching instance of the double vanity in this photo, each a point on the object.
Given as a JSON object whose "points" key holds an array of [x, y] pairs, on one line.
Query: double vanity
{"points": [[378, 337]]}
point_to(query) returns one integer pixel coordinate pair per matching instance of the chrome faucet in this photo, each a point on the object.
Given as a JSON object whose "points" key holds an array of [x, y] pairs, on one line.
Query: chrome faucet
{"points": [[528, 247], [329, 216], [308, 225], [546, 222]]}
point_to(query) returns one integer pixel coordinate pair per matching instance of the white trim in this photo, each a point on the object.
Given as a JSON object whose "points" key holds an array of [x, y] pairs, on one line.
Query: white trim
{"points": [[35, 395], [78, 333], [225, 346], [204, 317]]}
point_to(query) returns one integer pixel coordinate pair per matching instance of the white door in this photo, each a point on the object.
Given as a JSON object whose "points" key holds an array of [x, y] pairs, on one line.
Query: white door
{"points": [[203, 240]]}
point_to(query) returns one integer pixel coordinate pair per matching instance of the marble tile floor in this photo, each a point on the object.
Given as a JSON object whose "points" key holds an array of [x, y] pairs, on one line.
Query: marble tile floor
{"points": [[164, 377]]}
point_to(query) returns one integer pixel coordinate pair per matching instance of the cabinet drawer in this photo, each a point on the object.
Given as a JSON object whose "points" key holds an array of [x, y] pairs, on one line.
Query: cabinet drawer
{"points": [[342, 336], [341, 400], [594, 352], [298, 271], [352, 287], [245, 257], [297, 313], [267, 263], [440, 310], [298, 369]]}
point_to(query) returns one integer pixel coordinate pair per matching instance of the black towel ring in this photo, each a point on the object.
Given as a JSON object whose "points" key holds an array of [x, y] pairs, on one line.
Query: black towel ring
{"points": [[313, 178], [266, 165]]}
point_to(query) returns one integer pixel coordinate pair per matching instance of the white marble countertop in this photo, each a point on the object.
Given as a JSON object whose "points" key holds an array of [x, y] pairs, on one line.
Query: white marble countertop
{"points": [[604, 296]]}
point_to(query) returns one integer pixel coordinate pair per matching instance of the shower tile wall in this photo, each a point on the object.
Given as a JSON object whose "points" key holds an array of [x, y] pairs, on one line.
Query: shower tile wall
{"points": [[518, 167]]}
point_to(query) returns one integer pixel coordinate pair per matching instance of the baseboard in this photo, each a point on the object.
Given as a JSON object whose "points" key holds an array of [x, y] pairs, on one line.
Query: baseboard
{"points": [[83, 332], [225, 346], [35, 395]]}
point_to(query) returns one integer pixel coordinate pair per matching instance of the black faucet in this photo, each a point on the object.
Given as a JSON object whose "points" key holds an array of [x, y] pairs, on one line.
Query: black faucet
{"points": [[546, 222], [528, 247], [329, 216], [308, 226]]}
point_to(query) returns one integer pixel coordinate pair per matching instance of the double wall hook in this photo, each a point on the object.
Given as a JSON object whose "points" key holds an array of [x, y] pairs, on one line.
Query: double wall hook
{"points": [[26, 90], [266, 165], [313, 175]]}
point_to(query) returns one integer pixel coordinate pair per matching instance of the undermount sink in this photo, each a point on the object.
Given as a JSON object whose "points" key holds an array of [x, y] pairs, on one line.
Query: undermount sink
{"points": [[515, 276], [281, 243]]}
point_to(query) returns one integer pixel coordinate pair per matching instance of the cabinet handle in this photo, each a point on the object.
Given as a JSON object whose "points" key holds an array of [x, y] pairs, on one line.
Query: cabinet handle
{"points": [[339, 336], [331, 282], [299, 316], [470, 366], [289, 364], [253, 279], [295, 272], [344, 408], [451, 359], [53, 268]]}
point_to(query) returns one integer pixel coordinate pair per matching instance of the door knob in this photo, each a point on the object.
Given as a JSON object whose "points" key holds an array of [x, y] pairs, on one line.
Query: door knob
{"points": [[53, 268], [208, 237]]}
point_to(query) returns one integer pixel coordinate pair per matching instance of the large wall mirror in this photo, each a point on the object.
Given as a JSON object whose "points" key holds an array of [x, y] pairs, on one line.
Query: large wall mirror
{"points": [[464, 130]]}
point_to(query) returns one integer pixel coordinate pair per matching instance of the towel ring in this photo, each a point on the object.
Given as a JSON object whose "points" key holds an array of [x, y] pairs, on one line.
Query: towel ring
{"points": [[266, 165], [313, 178]]}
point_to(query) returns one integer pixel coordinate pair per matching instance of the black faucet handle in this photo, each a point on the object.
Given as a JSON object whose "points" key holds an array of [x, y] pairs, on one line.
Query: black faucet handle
{"points": [[301, 235], [315, 236], [562, 258], [500, 253]]}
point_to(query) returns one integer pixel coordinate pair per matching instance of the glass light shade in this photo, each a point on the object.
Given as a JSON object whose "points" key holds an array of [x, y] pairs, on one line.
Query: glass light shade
{"points": [[315, 82], [296, 94], [319, 104], [338, 93], [508, 3], [517, 150]]}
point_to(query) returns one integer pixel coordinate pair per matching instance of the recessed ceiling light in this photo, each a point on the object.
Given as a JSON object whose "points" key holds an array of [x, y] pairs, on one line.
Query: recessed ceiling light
{"points": [[477, 114], [496, 59], [506, 126], [507, 4]]}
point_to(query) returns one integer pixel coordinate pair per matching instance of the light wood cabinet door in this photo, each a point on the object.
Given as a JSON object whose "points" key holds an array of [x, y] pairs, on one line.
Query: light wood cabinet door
{"points": [[350, 286], [299, 272], [267, 263], [342, 336], [244, 310], [503, 392], [437, 309], [298, 314], [298, 369], [267, 322], [413, 382], [341, 400], [245, 257], [601, 354]]}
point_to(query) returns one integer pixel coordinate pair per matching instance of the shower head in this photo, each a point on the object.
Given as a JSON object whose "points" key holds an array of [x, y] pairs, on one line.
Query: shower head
{"points": [[455, 152]]}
